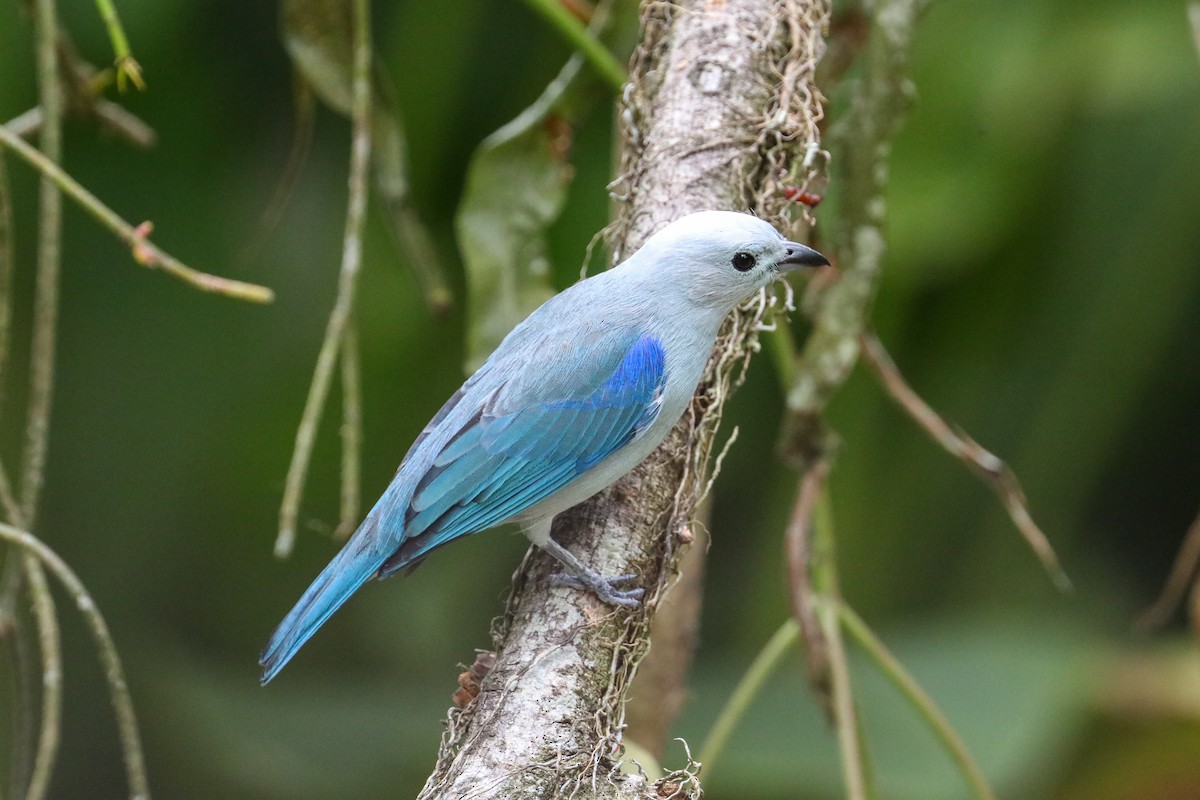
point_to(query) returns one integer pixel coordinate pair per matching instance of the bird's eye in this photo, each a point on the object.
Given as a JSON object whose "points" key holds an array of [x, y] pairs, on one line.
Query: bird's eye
{"points": [[743, 261]]}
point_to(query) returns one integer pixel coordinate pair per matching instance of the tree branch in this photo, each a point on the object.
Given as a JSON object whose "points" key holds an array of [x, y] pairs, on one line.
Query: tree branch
{"points": [[708, 123]]}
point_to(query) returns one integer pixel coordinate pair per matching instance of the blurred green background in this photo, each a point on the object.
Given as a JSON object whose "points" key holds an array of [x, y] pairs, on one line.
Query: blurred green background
{"points": [[1042, 289]]}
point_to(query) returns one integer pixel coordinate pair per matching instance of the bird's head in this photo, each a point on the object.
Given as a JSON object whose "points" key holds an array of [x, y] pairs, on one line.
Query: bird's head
{"points": [[719, 258]]}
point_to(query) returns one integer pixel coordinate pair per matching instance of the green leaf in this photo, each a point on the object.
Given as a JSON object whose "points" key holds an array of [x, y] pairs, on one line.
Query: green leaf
{"points": [[516, 187]]}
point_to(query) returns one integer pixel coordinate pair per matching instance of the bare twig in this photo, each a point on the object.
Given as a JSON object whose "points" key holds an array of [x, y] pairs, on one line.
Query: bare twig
{"points": [[50, 641], [6, 272], [798, 550], [135, 767], [823, 563], [360, 155], [23, 509], [351, 432], [1184, 571], [23, 679], [145, 252], [984, 464], [917, 697], [113, 117], [45, 303]]}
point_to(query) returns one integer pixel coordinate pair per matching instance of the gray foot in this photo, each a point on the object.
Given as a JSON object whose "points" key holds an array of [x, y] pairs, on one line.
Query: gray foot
{"points": [[580, 576]]}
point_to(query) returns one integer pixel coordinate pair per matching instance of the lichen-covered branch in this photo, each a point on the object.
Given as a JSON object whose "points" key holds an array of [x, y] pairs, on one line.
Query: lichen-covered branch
{"points": [[719, 112]]}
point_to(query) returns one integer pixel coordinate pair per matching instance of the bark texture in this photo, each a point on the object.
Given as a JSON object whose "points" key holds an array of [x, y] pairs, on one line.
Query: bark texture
{"points": [[720, 113]]}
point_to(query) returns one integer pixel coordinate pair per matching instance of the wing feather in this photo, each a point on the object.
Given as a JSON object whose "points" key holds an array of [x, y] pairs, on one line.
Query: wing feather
{"points": [[515, 454]]}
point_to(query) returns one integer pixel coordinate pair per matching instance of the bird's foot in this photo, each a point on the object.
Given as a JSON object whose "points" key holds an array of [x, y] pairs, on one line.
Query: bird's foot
{"points": [[604, 588], [580, 576]]}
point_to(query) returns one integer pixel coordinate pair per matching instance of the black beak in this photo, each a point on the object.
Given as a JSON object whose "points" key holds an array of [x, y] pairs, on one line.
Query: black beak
{"points": [[797, 255]]}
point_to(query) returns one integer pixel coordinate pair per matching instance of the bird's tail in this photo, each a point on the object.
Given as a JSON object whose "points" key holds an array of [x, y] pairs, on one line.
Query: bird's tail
{"points": [[357, 563]]}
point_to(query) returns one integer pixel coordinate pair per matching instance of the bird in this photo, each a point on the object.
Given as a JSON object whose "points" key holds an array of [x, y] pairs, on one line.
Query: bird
{"points": [[573, 398]]}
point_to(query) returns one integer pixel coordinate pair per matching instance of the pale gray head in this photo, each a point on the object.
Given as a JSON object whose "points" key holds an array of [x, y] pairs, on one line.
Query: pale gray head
{"points": [[719, 258]]}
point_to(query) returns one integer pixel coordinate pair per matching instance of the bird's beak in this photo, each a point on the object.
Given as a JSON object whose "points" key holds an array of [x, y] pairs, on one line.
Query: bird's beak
{"points": [[797, 255]]}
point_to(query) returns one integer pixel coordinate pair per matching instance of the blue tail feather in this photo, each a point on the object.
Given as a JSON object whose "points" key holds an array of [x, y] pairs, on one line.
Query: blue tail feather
{"points": [[349, 570]]}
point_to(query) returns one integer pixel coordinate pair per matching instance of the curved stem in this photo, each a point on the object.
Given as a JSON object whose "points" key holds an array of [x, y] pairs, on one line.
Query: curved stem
{"points": [[135, 766], [752, 682], [574, 31], [921, 702], [50, 641], [845, 714]]}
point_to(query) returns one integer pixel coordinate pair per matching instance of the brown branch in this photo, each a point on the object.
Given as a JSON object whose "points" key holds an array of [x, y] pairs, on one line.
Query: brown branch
{"points": [[1184, 571], [989, 468], [798, 551], [705, 125]]}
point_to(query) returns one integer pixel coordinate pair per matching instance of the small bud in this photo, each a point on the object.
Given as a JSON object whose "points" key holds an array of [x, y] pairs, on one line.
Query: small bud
{"points": [[142, 253]]}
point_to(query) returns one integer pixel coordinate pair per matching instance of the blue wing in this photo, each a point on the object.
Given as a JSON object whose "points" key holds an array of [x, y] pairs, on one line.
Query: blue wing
{"points": [[512, 454], [531, 437]]}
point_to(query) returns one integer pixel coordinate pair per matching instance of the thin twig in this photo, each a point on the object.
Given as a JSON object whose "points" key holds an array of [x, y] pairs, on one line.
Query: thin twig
{"points": [[145, 252], [50, 641], [23, 679], [798, 550], [1184, 571], [45, 303], [13, 572], [574, 31], [990, 469], [360, 156], [6, 272], [752, 682], [351, 432], [917, 697], [41, 393], [113, 117], [126, 66], [135, 767], [825, 580]]}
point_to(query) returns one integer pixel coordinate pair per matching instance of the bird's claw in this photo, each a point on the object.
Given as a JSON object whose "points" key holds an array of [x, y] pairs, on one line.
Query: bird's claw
{"points": [[604, 588]]}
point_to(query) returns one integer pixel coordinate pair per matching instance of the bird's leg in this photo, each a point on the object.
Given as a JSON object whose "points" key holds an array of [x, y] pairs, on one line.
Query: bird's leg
{"points": [[581, 576]]}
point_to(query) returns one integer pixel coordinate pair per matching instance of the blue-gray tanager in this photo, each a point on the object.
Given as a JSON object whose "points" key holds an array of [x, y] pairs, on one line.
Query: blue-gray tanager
{"points": [[572, 399]]}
